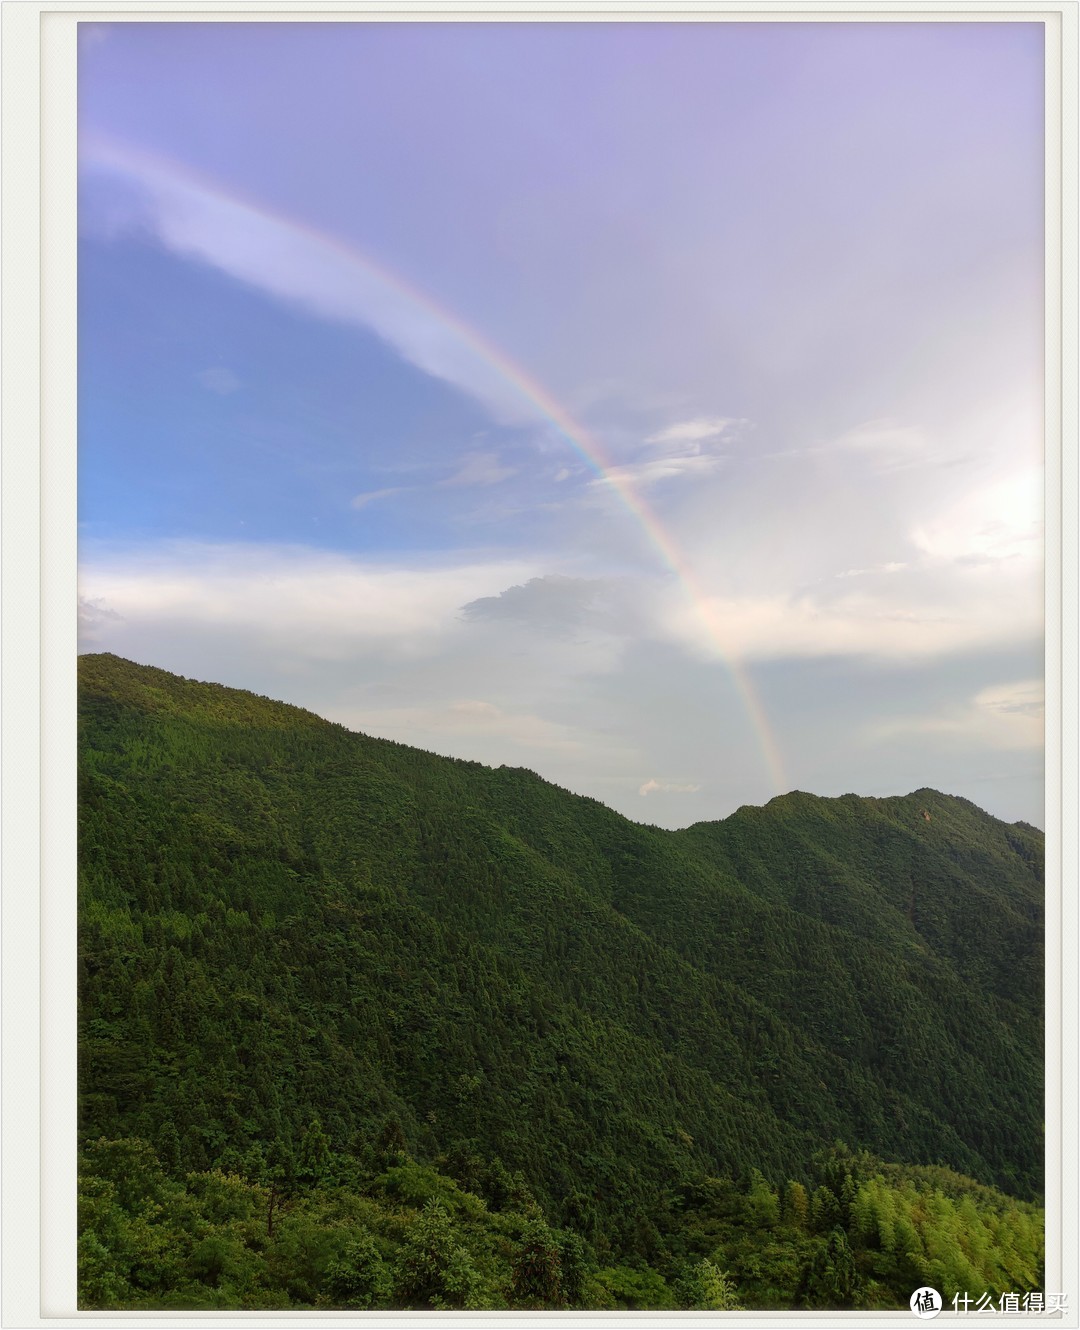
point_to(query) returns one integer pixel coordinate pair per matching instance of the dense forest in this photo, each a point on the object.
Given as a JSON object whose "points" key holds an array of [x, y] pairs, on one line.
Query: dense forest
{"points": [[365, 1027]]}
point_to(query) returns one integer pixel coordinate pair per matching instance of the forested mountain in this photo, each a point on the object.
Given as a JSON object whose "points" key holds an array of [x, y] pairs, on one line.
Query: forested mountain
{"points": [[330, 978]]}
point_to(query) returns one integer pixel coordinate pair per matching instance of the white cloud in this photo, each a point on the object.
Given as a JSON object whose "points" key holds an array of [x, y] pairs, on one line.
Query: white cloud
{"points": [[372, 496], [695, 430], [386, 649], [480, 469], [93, 35], [1006, 716], [1002, 520], [314, 604], [94, 619], [555, 604], [833, 554], [970, 611], [687, 448], [884, 436], [472, 723], [655, 469], [328, 276], [893, 567], [219, 380], [666, 787], [379, 648]]}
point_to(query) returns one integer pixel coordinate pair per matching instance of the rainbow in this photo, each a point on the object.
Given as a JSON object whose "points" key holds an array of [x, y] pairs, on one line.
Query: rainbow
{"points": [[132, 161]]}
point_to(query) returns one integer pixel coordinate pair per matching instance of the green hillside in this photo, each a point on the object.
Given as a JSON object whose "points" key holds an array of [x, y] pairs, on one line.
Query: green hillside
{"points": [[474, 972]]}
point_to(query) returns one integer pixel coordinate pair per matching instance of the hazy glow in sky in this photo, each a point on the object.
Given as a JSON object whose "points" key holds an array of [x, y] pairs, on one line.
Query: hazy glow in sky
{"points": [[363, 305]]}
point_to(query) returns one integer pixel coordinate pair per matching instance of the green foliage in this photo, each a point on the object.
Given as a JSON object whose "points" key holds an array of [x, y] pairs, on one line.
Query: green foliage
{"points": [[832, 1279], [635, 1288], [204, 1242], [705, 1287], [433, 1268], [537, 1267], [314, 1161], [359, 1277], [335, 980]]}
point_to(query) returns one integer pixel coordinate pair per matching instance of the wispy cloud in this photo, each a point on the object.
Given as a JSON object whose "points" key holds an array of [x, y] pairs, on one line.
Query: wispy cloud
{"points": [[911, 622], [885, 435], [470, 720], [998, 521], [893, 567], [1005, 716], [652, 470], [687, 448], [666, 787], [330, 277], [373, 496], [480, 469], [94, 615], [219, 380], [321, 604], [694, 430], [557, 604], [883, 445]]}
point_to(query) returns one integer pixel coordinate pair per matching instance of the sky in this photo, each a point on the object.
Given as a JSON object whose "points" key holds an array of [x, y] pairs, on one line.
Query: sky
{"points": [[657, 406]]}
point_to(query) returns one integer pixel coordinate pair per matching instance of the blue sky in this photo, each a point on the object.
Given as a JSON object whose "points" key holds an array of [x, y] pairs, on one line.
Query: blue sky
{"points": [[361, 306]]}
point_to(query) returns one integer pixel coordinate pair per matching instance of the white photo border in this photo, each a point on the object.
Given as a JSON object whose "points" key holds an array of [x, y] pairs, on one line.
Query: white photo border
{"points": [[39, 600]]}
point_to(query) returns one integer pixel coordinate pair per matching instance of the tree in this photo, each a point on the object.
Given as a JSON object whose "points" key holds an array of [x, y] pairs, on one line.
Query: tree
{"points": [[796, 1206], [705, 1287], [832, 1279], [359, 1277], [433, 1269], [280, 1178], [315, 1162], [762, 1203], [824, 1210], [537, 1269], [574, 1266]]}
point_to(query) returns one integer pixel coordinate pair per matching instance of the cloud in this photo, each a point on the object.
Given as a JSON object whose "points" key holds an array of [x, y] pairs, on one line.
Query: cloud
{"points": [[480, 469], [885, 435], [372, 496], [93, 35], [325, 274], [470, 723], [687, 448], [695, 430], [94, 616], [219, 380], [667, 787], [923, 618], [591, 682], [1018, 699], [316, 604], [830, 556], [883, 444], [553, 603], [380, 648], [1001, 520], [1007, 716], [894, 567], [653, 470]]}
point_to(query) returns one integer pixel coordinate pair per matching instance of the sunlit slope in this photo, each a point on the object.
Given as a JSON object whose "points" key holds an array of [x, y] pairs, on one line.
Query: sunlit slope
{"points": [[279, 917]]}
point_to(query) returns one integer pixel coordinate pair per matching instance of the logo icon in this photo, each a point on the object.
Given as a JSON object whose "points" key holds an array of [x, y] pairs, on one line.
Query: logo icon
{"points": [[925, 1303]]}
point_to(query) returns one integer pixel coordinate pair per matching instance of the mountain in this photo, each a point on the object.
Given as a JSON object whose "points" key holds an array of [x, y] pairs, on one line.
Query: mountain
{"points": [[283, 921]]}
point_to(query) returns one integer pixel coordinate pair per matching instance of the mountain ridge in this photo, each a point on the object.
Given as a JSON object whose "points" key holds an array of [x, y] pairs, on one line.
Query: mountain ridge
{"points": [[756, 986]]}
